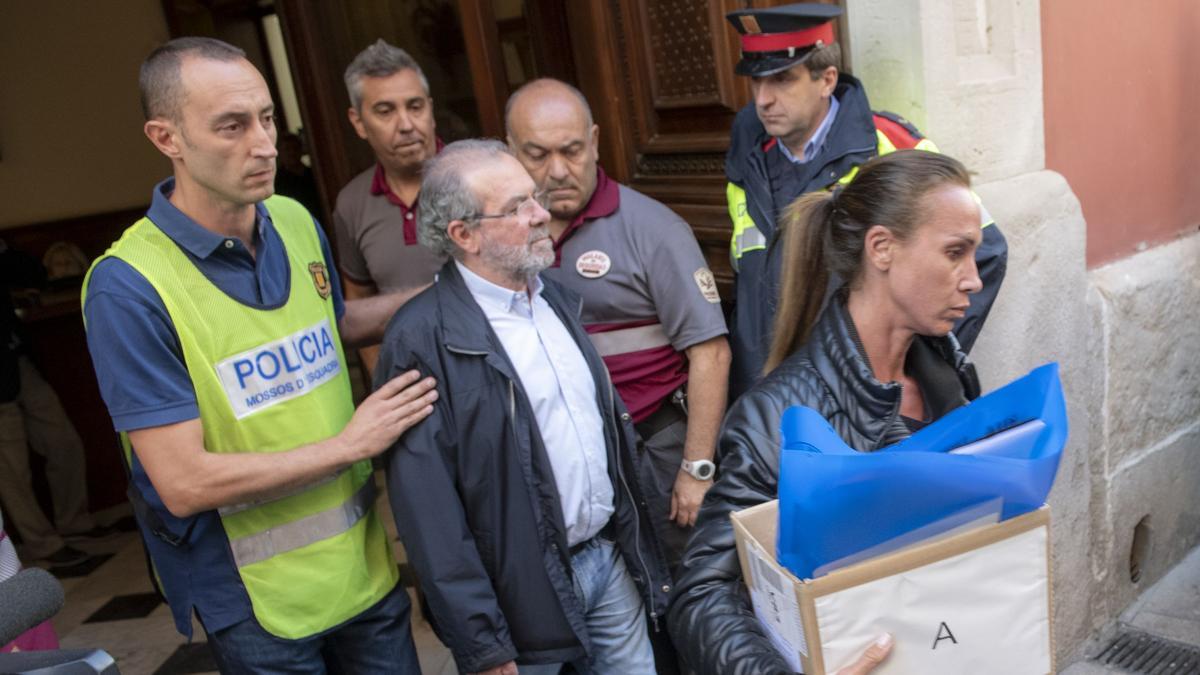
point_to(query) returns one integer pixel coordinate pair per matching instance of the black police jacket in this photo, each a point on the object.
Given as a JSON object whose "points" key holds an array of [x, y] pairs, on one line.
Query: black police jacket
{"points": [[711, 620], [474, 496], [771, 182]]}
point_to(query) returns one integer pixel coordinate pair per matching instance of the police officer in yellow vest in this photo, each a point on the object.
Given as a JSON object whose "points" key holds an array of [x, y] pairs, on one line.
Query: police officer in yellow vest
{"points": [[216, 324], [808, 127]]}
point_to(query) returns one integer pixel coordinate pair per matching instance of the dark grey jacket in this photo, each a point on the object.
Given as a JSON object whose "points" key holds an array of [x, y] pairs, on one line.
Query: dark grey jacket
{"points": [[474, 496], [711, 619]]}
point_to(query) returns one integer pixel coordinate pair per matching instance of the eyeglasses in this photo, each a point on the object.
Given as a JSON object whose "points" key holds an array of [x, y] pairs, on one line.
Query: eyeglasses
{"points": [[526, 209]]}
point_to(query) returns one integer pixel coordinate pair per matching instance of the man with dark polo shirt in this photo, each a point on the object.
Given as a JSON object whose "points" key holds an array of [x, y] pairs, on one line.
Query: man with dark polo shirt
{"points": [[215, 325], [375, 217], [650, 304]]}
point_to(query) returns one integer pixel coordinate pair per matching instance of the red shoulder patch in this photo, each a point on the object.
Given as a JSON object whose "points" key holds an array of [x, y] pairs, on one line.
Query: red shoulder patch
{"points": [[898, 130]]}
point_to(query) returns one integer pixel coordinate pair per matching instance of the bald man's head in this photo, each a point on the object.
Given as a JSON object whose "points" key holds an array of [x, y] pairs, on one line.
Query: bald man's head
{"points": [[550, 130], [546, 88]]}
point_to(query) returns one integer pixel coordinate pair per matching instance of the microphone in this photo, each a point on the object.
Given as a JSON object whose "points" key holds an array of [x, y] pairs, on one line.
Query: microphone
{"points": [[26, 599]]}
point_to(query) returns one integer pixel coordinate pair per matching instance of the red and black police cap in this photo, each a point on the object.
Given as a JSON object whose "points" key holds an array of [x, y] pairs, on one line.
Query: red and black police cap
{"points": [[777, 38]]}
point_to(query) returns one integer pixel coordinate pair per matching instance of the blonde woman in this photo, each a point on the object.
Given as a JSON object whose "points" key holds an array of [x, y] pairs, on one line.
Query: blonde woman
{"points": [[876, 358]]}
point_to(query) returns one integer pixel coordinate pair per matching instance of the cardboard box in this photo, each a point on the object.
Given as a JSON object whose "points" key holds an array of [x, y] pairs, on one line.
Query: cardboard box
{"points": [[976, 602]]}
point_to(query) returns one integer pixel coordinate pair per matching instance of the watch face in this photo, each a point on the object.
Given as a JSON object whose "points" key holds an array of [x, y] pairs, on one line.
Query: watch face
{"points": [[704, 471]]}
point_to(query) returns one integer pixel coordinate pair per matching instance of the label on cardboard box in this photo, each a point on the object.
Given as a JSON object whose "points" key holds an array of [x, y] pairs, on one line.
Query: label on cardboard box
{"points": [[774, 601]]}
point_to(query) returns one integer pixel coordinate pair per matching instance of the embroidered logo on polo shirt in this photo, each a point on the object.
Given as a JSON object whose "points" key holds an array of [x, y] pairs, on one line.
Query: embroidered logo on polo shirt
{"points": [[593, 264], [708, 285], [320, 277]]}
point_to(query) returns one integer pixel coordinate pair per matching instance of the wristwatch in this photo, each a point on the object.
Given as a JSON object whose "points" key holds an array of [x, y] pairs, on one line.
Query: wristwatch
{"points": [[701, 469]]}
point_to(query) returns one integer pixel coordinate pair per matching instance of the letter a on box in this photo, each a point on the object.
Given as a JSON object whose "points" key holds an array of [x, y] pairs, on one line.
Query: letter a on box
{"points": [[943, 633]]}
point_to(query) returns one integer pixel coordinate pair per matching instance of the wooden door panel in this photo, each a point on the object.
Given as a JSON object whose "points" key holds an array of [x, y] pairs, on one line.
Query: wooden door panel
{"points": [[674, 58], [683, 59], [685, 52]]}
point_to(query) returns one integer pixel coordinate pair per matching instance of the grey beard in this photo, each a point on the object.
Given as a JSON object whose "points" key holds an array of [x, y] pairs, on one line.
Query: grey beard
{"points": [[519, 262]]}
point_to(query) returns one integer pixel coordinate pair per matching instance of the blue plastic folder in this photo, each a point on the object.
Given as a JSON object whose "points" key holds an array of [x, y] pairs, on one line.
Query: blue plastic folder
{"points": [[998, 455]]}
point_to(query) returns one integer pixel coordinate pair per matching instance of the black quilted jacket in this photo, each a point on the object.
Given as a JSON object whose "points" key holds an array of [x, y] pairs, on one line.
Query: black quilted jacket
{"points": [[710, 618]]}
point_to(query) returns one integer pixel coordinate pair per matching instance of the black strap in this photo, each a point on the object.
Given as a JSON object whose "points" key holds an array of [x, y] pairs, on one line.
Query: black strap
{"points": [[669, 412]]}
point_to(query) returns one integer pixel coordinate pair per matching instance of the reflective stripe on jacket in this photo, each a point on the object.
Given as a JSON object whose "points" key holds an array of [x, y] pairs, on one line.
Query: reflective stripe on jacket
{"points": [[746, 235]]}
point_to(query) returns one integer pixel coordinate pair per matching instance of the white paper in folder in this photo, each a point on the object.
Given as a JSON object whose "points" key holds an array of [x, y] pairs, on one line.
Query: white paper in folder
{"points": [[774, 600]]}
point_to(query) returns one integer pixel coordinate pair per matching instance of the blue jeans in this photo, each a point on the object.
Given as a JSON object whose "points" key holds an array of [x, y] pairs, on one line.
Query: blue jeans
{"points": [[377, 641], [613, 612]]}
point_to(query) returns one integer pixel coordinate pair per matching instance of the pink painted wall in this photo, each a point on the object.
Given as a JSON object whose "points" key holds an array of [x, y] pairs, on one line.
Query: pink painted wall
{"points": [[1122, 97]]}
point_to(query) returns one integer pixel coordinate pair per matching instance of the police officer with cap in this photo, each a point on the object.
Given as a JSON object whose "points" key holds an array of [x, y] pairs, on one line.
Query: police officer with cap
{"points": [[808, 128]]}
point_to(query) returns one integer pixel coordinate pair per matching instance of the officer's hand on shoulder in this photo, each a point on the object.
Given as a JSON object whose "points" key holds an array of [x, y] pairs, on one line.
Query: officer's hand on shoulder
{"points": [[393, 409]]}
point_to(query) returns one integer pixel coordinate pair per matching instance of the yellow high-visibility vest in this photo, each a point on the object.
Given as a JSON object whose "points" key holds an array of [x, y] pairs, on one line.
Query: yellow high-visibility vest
{"points": [[269, 380]]}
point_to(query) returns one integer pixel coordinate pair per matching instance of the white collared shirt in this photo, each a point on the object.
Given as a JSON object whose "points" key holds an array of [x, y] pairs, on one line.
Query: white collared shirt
{"points": [[813, 146], [562, 393]]}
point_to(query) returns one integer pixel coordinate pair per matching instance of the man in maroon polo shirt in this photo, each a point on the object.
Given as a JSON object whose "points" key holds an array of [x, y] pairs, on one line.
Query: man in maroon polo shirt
{"points": [[650, 304], [376, 214]]}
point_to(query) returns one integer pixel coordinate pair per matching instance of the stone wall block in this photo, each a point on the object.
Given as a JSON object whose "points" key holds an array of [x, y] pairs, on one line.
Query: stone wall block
{"points": [[886, 52], [967, 72], [1101, 546], [1153, 343], [1040, 314], [985, 84], [1162, 485]]}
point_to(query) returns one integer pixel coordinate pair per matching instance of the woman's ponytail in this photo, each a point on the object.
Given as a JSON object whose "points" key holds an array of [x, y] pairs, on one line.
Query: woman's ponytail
{"points": [[806, 227]]}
